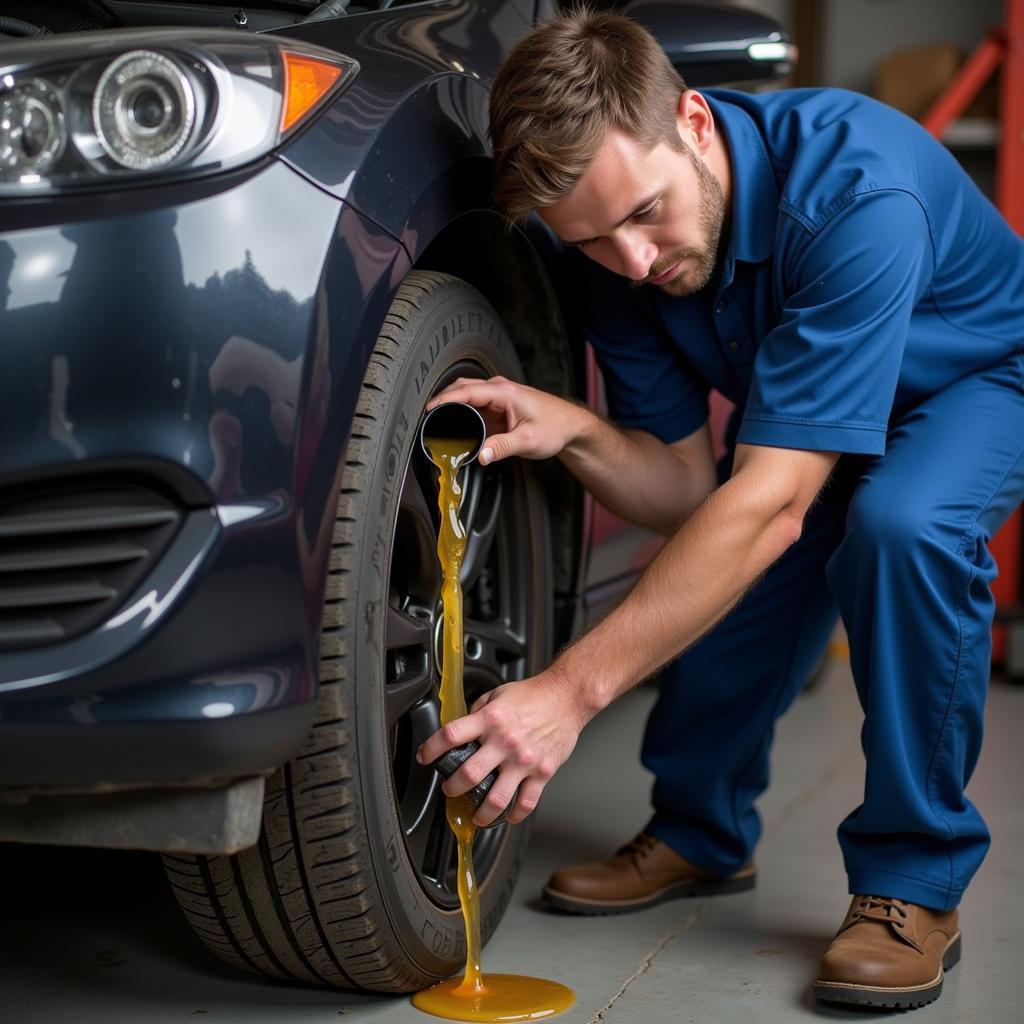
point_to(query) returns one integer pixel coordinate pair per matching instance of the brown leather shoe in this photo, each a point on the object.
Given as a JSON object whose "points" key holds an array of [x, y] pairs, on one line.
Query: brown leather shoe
{"points": [[644, 872], [889, 953]]}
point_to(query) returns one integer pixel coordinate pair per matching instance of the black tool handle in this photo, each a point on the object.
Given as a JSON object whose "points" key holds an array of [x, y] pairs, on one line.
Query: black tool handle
{"points": [[452, 760]]}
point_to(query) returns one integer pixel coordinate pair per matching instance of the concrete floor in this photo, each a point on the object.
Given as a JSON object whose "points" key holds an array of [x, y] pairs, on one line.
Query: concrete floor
{"points": [[91, 936]]}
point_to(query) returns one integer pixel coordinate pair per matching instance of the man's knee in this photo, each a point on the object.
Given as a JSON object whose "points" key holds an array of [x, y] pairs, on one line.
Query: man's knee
{"points": [[880, 523]]}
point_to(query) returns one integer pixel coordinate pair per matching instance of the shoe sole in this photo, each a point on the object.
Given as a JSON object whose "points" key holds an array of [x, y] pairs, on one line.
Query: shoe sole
{"points": [[684, 890], [891, 998]]}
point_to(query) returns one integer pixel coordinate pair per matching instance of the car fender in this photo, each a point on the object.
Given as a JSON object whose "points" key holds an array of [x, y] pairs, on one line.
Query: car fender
{"points": [[427, 163]]}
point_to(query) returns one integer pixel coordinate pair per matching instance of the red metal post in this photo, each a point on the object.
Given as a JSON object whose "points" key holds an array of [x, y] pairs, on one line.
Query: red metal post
{"points": [[1006, 47], [1006, 545], [1010, 161], [957, 96]]}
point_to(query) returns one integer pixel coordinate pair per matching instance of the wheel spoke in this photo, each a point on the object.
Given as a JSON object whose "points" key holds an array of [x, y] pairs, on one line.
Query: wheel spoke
{"points": [[440, 847], [418, 813], [426, 720], [406, 692], [490, 647], [512, 598], [415, 574], [481, 524], [419, 498], [471, 480], [409, 664], [405, 630]]}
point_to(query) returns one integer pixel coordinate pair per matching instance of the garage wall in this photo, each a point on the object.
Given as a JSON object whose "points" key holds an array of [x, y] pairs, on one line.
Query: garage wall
{"points": [[858, 33]]}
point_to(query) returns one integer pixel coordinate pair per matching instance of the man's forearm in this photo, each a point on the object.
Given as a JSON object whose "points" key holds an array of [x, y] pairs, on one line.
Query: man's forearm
{"points": [[528, 728], [700, 574], [634, 474]]}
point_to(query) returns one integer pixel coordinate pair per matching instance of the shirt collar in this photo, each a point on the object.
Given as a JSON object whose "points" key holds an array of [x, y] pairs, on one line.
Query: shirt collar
{"points": [[755, 195]]}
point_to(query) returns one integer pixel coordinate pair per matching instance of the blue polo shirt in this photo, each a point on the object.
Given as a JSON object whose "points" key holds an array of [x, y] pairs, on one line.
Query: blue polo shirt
{"points": [[863, 271]]}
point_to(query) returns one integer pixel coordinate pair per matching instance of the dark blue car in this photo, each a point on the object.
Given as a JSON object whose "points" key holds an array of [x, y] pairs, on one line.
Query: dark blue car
{"points": [[239, 250]]}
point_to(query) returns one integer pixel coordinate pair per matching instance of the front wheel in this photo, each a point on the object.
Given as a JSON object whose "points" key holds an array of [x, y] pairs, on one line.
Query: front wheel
{"points": [[353, 880]]}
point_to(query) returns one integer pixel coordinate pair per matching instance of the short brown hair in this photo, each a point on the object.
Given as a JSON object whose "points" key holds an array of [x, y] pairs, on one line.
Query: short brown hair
{"points": [[560, 89]]}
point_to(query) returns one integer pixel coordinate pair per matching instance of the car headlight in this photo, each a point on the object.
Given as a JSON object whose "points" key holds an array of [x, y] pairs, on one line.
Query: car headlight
{"points": [[103, 108], [144, 110]]}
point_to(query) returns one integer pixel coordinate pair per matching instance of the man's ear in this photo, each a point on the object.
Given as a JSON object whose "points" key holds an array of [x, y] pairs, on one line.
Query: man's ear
{"points": [[694, 120]]}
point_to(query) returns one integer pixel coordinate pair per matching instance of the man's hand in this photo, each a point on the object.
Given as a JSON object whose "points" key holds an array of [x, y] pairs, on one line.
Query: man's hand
{"points": [[520, 420], [631, 472], [526, 729]]}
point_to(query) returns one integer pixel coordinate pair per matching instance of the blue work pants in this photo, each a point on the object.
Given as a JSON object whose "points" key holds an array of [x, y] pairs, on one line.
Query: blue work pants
{"points": [[896, 546]]}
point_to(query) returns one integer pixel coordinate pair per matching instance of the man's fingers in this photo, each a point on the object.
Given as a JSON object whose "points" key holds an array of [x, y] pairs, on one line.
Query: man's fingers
{"points": [[529, 797], [484, 699], [475, 392], [449, 393], [473, 771], [520, 441], [454, 734], [498, 797], [496, 448]]}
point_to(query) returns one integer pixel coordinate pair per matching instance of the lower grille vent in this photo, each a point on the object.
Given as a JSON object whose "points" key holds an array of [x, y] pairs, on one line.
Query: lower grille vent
{"points": [[71, 554]]}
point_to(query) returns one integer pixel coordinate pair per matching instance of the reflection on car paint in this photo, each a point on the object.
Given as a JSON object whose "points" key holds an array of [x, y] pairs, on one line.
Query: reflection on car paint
{"points": [[36, 264]]}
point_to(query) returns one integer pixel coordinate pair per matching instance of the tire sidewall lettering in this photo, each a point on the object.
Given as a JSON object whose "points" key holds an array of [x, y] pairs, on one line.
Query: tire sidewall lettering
{"points": [[476, 323]]}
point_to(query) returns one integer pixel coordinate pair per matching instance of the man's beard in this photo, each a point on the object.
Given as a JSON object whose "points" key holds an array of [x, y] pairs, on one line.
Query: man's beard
{"points": [[711, 215]]}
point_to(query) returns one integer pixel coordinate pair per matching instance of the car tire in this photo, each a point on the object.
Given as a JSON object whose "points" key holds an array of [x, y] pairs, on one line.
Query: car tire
{"points": [[352, 882]]}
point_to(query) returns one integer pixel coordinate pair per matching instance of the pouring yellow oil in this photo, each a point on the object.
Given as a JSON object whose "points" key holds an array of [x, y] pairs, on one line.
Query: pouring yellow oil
{"points": [[473, 997]]}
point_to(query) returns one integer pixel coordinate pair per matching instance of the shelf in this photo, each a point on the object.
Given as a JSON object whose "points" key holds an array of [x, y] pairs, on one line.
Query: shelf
{"points": [[972, 133]]}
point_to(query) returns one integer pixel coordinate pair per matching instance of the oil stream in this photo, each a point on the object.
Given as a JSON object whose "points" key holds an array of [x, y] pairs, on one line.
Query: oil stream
{"points": [[498, 997]]}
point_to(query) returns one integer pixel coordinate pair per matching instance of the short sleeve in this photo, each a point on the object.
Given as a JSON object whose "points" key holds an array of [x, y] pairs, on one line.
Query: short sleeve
{"points": [[649, 384], [825, 377]]}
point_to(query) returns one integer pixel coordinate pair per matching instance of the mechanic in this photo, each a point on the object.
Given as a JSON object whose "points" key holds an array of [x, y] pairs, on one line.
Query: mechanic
{"points": [[821, 261]]}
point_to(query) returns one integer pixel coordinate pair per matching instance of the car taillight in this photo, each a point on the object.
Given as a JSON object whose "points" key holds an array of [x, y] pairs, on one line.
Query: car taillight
{"points": [[94, 108]]}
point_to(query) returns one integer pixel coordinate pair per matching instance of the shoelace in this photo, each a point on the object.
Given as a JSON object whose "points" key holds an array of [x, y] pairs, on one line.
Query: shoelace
{"points": [[639, 844], [880, 908]]}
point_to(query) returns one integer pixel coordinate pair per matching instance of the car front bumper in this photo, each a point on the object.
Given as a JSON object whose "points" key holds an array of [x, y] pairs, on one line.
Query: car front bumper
{"points": [[178, 344]]}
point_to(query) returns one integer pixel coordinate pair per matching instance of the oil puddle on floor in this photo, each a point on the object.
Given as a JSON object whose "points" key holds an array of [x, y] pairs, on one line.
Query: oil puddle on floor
{"points": [[474, 996]]}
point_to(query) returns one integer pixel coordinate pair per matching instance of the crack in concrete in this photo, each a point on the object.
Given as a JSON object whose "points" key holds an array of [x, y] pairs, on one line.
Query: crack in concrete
{"points": [[648, 960]]}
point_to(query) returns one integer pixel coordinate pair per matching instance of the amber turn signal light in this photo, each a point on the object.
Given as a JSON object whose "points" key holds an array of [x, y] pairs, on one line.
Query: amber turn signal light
{"points": [[306, 82]]}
